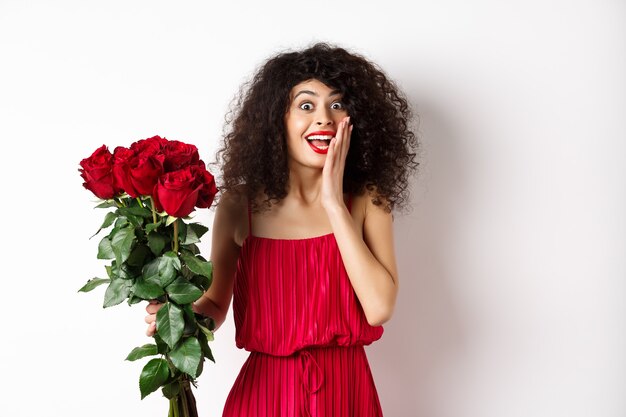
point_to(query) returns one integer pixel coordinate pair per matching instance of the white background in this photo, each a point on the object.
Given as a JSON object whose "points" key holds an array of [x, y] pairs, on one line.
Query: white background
{"points": [[512, 271]]}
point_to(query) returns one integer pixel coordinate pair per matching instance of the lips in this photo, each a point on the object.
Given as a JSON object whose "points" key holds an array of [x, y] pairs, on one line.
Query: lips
{"points": [[321, 133], [319, 140]]}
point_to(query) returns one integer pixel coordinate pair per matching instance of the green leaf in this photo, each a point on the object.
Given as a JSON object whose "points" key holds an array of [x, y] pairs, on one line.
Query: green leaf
{"points": [[136, 221], [122, 272], [106, 204], [198, 229], [209, 334], [150, 271], [147, 290], [132, 299], [171, 390], [153, 375], [193, 248], [190, 237], [142, 351], [200, 367], [201, 282], [170, 220], [138, 255], [122, 243], [109, 218], [120, 223], [182, 230], [117, 291], [161, 345], [105, 251], [170, 323], [150, 227], [197, 265], [204, 345], [161, 271], [187, 355], [135, 211], [93, 283], [190, 321], [194, 233], [157, 242], [182, 291], [168, 265]]}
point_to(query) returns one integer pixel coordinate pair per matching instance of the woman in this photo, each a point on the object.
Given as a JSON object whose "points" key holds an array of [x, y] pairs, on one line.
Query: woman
{"points": [[318, 154]]}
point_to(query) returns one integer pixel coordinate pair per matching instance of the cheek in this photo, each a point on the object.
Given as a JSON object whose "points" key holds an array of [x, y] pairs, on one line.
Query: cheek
{"points": [[297, 127]]}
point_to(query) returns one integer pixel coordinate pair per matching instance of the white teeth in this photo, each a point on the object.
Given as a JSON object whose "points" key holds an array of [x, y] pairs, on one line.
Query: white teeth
{"points": [[319, 137]]}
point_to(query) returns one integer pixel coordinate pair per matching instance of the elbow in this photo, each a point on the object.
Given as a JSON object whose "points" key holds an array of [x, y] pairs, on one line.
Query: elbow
{"points": [[382, 311], [380, 317]]}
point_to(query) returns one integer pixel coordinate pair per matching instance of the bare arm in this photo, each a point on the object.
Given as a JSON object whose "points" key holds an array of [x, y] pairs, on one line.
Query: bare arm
{"points": [[224, 255], [370, 262]]}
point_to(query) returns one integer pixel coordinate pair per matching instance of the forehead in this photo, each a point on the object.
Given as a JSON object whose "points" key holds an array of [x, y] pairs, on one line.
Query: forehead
{"points": [[313, 87]]}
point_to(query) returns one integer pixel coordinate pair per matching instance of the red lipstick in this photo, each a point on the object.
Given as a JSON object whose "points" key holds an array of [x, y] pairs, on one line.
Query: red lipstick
{"points": [[321, 132]]}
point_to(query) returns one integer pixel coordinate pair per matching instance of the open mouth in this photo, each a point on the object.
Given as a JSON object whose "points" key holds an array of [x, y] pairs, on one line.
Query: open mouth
{"points": [[319, 141]]}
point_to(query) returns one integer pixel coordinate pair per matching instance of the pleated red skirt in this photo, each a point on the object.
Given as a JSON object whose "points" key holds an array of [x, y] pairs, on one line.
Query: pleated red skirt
{"points": [[323, 381]]}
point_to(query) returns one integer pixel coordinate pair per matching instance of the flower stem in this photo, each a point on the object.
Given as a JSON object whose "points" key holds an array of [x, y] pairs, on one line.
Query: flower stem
{"points": [[176, 405], [176, 237], [154, 219], [183, 399]]}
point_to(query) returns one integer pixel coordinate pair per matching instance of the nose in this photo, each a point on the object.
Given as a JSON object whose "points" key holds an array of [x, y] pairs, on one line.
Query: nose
{"points": [[323, 117]]}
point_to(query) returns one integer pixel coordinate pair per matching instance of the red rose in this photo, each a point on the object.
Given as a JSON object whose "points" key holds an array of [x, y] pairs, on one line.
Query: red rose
{"points": [[177, 192], [179, 155], [145, 172], [137, 170], [150, 146], [208, 190], [97, 173], [121, 170]]}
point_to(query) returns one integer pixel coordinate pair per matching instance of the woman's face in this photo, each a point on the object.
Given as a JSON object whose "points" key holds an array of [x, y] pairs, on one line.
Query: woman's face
{"points": [[315, 110]]}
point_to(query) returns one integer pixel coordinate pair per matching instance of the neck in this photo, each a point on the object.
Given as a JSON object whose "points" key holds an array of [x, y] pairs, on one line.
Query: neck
{"points": [[305, 184]]}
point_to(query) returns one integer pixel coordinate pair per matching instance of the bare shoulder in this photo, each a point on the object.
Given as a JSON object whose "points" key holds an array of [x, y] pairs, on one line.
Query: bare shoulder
{"points": [[364, 203]]}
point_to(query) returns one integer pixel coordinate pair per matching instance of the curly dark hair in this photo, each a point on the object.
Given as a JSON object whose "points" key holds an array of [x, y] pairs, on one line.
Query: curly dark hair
{"points": [[380, 157]]}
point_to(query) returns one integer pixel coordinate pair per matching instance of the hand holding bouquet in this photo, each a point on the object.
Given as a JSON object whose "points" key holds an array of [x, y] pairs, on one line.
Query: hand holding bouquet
{"points": [[153, 185]]}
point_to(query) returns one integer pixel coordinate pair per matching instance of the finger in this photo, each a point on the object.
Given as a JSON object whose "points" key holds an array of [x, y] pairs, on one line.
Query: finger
{"points": [[150, 318], [340, 139], [330, 154], [153, 308], [348, 139], [345, 140], [151, 329]]}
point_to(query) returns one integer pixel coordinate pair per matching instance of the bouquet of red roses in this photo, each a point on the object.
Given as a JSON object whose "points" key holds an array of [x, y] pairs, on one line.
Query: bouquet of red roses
{"points": [[153, 185]]}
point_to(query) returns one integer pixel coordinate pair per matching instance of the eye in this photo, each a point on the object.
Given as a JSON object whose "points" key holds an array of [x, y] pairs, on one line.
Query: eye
{"points": [[337, 105], [306, 106]]}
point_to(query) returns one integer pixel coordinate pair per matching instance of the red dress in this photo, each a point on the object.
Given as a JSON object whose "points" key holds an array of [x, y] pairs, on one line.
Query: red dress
{"points": [[297, 314]]}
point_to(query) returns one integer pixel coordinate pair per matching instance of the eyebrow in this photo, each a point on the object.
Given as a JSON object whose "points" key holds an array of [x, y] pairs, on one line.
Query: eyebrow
{"points": [[332, 93]]}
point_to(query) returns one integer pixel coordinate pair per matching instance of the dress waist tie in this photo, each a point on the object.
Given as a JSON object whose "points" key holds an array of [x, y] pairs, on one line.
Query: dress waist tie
{"points": [[306, 360]]}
